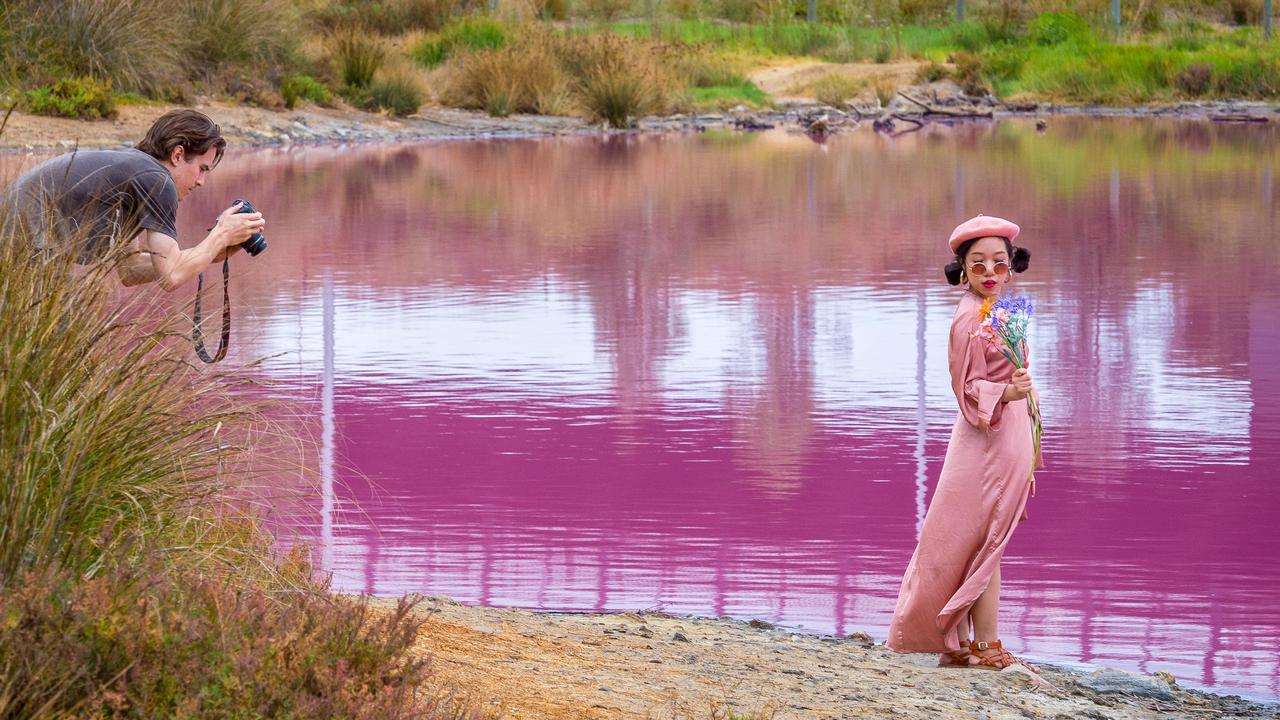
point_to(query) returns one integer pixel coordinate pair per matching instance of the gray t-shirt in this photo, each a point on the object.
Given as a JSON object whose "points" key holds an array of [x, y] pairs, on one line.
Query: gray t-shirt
{"points": [[97, 197]]}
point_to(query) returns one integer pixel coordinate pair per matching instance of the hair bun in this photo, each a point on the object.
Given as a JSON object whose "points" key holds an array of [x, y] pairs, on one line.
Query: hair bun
{"points": [[1020, 260]]}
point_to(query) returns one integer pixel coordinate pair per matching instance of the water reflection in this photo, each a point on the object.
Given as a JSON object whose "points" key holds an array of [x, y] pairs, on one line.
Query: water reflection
{"points": [[707, 373]]}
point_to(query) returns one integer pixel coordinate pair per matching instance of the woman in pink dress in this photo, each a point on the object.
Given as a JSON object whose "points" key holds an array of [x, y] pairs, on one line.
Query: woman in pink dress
{"points": [[950, 594]]}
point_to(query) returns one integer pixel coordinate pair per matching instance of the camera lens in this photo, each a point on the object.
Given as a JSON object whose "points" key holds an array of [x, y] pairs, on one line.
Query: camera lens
{"points": [[257, 243]]}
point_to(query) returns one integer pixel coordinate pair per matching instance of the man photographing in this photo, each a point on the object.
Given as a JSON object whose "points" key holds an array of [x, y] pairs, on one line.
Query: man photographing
{"points": [[106, 197]]}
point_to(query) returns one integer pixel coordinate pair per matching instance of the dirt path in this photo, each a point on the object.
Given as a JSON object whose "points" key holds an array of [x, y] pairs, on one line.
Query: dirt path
{"points": [[531, 666]]}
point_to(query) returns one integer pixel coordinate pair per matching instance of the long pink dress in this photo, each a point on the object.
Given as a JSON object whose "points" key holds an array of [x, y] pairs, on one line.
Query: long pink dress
{"points": [[981, 496]]}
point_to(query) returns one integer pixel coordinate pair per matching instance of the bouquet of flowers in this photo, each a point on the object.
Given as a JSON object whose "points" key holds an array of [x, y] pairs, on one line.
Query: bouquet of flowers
{"points": [[1004, 324]]}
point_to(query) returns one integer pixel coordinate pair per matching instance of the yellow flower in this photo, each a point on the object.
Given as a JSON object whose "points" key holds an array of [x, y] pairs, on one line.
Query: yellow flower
{"points": [[984, 312]]}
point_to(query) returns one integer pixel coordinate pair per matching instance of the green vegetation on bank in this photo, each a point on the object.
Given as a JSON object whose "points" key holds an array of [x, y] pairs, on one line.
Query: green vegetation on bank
{"points": [[74, 58]]}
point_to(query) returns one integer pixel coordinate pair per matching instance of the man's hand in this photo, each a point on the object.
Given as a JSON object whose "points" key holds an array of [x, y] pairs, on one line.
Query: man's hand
{"points": [[234, 228], [1019, 386]]}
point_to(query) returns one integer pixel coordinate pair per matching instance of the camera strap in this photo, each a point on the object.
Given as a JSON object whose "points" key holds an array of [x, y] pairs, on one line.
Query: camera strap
{"points": [[196, 337]]}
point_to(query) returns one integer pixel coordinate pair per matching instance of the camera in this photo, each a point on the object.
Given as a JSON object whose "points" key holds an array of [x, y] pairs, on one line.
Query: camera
{"points": [[257, 243]]}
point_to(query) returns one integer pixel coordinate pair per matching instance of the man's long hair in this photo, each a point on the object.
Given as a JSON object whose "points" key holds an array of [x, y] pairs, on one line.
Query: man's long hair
{"points": [[190, 129]]}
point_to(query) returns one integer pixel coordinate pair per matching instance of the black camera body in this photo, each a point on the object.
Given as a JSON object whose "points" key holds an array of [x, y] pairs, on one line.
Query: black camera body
{"points": [[257, 243]]}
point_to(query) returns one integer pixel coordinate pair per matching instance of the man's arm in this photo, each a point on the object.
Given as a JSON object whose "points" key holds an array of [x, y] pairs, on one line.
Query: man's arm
{"points": [[157, 257]]}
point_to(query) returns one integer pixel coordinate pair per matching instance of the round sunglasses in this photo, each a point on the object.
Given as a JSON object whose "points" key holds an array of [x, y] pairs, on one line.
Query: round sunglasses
{"points": [[979, 267]]}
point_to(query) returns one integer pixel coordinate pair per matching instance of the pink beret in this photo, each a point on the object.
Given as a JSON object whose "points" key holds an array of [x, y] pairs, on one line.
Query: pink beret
{"points": [[980, 227]]}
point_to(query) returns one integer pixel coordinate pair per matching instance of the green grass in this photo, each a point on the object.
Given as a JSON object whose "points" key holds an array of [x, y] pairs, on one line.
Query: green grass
{"points": [[466, 34], [1108, 73], [726, 96]]}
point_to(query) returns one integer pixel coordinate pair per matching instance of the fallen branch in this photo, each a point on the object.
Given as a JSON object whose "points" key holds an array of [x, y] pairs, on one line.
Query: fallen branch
{"points": [[950, 112]]}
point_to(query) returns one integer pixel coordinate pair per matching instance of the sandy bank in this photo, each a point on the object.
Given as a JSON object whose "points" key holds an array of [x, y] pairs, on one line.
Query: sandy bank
{"points": [[563, 665]]}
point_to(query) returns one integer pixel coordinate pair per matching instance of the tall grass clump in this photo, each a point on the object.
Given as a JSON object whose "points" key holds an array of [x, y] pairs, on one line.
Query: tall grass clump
{"points": [[397, 94], [388, 17], [129, 42], [104, 424], [620, 79], [527, 76], [217, 33], [358, 56]]}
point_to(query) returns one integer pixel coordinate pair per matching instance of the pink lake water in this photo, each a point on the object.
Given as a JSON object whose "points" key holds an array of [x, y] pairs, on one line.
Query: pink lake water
{"points": [[706, 373]]}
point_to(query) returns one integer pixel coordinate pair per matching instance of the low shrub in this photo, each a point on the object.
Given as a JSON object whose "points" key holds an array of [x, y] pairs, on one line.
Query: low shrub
{"points": [[398, 95], [1244, 12], [1195, 79], [835, 90], [552, 9], [297, 88], [885, 90], [82, 97], [932, 72], [925, 11], [969, 74], [148, 641], [604, 10], [388, 17], [684, 9]]}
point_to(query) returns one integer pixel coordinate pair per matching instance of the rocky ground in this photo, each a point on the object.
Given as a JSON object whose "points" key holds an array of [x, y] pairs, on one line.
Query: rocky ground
{"points": [[520, 664]]}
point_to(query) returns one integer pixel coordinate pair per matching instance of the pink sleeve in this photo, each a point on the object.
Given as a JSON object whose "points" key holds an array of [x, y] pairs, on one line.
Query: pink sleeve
{"points": [[979, 398]]}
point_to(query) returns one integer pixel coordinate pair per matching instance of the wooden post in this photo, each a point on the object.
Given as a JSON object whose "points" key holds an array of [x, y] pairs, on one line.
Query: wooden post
{"points": [[1266, 19], [813, 11], [493, 7], [1115, 14], [959, 10]]}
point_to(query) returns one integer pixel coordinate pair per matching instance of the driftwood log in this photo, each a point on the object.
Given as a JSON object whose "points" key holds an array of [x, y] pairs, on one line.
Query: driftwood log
{"points": [[1238, 117], [966, 112]]}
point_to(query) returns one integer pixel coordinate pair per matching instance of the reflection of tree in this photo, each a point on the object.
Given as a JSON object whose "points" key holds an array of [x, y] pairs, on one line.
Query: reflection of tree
{"points": [[774, 424], [632, 304], [1112, 207]]}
